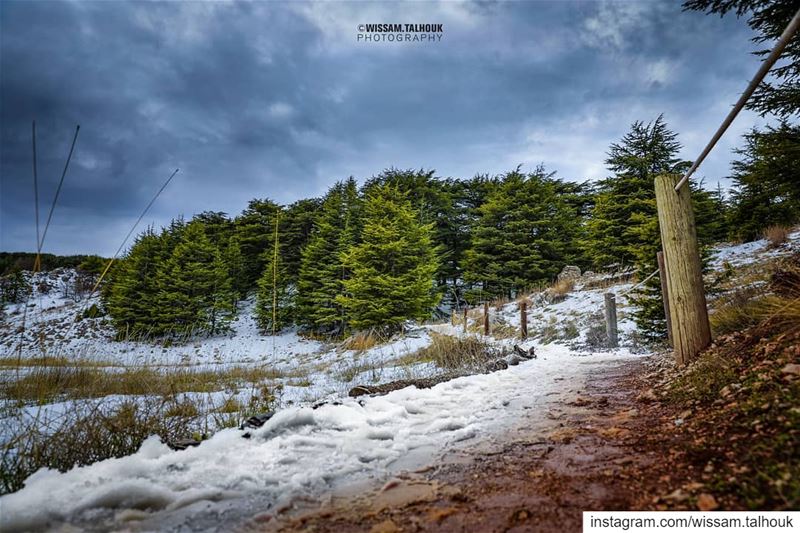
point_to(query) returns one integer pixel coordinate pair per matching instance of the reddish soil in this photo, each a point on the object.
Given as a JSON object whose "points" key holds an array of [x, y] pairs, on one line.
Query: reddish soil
{"points": [[612, 449]]}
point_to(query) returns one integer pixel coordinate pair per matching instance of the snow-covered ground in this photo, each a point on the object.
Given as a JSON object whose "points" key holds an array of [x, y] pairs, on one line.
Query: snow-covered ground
{"points": [[304, 451], [301, 451]]}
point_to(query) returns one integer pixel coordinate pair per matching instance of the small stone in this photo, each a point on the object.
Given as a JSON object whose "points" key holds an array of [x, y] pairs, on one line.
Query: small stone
{"points": [[387, 526], [647, 396], [791, 368], [707, 502]]}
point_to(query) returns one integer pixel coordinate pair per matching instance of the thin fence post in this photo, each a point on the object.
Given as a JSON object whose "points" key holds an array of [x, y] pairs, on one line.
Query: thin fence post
{"points": [[662, 275], [453, 317], [486, 318], [691, 331], [465, 318], [611, 320], [523, 319]]}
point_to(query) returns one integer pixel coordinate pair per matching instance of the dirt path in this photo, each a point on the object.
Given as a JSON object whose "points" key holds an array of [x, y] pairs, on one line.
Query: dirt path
{"points": [[611, 449]]}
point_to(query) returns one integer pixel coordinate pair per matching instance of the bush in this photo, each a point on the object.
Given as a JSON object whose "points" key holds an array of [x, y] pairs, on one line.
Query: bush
{"points": [[457, 354], [776, 236]]}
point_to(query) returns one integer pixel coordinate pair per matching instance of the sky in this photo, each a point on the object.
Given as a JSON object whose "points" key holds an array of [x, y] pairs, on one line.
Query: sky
{"points": [[281, 99]]}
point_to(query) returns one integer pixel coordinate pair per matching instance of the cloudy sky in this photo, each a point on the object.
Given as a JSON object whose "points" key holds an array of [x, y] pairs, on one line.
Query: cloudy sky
{"points": [[279, 100]]}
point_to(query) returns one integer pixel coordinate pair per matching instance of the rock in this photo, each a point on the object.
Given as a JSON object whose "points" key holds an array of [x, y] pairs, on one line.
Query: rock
{"points": [[513, 360], [498, 364], [256, 421], [677, 496], [791, 368], [707, 502], [525, 355], [387, 526], [647, 396], [183, 444], [358, 391], [569, 272]]}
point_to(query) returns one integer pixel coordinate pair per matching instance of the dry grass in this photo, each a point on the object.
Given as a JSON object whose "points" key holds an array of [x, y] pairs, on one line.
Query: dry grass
{"points": [[362, 341], [561, 288], [455, 353], [739, 309], [24, 362], [43, 385], [777, 235]]}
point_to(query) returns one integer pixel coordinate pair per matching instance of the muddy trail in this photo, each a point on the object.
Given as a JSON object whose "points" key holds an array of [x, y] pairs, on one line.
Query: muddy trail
{"points": [[612, 448]]}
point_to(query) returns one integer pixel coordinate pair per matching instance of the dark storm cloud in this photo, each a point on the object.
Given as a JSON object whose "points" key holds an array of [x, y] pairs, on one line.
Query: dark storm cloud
{"points": [[279, 99]]}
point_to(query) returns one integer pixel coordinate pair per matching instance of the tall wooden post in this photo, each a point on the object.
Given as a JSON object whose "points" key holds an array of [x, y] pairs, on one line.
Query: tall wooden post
{"points": [[486, 318], [453, 317], [611, 320], [523, 319], [465, 318], [662, 275], [691, 331]]}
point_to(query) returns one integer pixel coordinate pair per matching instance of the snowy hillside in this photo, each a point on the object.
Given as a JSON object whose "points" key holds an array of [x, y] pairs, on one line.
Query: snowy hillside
{"points": [[307, 449]]}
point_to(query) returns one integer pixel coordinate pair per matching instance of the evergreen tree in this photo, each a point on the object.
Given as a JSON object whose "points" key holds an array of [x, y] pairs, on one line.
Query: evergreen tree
{"points": [[768, 19], [131, 296], [393, 268], [234, 262], [322, 272], [528, 230], [766, 181], [217, 226], [626, 201], [275, 297], [296, 226], [194, 289], [255, 228]]}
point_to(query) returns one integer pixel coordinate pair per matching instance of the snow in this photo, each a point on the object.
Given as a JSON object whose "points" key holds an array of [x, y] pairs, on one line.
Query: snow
{"points": [[301, 451], [746, 253]]}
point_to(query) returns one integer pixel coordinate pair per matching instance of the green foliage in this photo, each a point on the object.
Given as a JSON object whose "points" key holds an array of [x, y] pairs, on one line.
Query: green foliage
{"points": [[175, 282], [392, 267], [780, 93], [625, 209], [275, 297], [322, 271], [194, 291], [766, 181], [14, 287], [131, 296], [295, 226], [528, 229], [255, 228]]}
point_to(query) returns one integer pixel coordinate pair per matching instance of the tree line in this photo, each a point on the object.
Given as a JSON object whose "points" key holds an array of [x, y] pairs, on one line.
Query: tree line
{"points": [[406, 242]]}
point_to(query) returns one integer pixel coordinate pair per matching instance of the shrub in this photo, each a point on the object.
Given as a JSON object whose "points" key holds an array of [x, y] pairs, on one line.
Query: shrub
{"points": [[776, 236], [456, 354]]}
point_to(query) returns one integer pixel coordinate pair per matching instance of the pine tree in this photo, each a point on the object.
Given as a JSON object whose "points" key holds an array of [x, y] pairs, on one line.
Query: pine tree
{"points": [[528, 230], [624, 225], [131, 296], [255, 227], [234, 262], [627, 200], [194, 289], [766, 181], [322, 271], [394, 266], [780, 93], [275, 299]]}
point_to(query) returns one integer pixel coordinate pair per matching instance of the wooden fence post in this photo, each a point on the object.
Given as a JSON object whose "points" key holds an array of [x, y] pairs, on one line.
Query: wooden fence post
{"points": [[611, 320], [523, 319], [691, 331], [486, 318], [465, 318], [662, 275]]}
